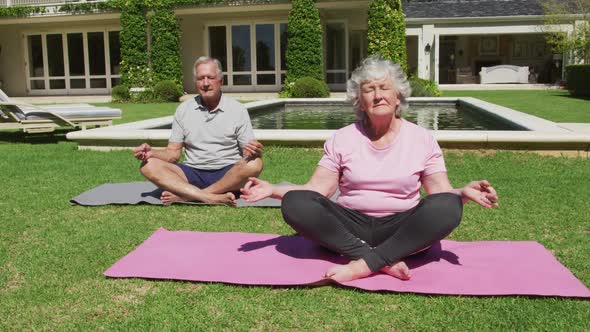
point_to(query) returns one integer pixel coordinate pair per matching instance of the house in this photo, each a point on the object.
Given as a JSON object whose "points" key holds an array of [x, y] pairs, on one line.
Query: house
{"points": [[448, 41]]}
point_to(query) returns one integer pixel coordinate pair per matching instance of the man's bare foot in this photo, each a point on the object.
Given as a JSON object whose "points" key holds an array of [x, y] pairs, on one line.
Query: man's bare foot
{"points": [[168, 198], [398, 270], [353, 270], [227, 199]]}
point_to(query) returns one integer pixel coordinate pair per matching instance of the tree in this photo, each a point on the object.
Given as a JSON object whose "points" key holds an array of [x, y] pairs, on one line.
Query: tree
{"points": [[568, 11], [387, 31]]}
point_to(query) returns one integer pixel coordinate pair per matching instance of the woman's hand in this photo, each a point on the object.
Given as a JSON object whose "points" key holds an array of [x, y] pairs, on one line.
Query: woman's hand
{"points": [[481, 192], [255, 190]]}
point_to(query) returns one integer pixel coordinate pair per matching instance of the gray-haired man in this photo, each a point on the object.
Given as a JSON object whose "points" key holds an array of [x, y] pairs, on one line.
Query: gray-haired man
{"points": [[221, 152]]}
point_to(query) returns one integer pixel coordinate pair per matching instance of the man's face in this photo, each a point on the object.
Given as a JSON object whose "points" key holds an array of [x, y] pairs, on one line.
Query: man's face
{"points": [[207, 81]]}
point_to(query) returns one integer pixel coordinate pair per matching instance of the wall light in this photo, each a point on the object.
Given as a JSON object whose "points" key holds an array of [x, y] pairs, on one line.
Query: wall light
{"points": [[427, 48]]}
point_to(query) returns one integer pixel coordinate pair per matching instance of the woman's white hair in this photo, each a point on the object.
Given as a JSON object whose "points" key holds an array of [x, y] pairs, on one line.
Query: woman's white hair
{"points": [[208, 59], [376, 68]]}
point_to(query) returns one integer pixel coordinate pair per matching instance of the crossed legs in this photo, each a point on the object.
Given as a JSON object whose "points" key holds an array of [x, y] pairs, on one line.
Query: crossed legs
{"points": [[176, 186], [373, 244]]}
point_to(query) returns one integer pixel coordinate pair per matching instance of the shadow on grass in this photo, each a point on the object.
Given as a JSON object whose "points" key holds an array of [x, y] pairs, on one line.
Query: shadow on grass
{"points": [[569, 96], [59, 135]]}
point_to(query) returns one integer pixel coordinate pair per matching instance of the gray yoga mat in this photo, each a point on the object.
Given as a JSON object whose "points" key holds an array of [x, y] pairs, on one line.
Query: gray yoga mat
{"points": [[132, 193]]}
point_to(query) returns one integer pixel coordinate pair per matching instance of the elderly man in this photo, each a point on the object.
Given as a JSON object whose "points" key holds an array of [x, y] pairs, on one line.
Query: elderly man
{"points": [[220, 150]]}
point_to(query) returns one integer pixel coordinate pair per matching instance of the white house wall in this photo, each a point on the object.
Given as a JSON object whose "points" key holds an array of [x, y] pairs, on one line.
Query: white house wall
{"points": [[12, 61]]}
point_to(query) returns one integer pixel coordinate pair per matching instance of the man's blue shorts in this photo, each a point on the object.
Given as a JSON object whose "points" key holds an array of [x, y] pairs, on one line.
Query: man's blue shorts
{"points": [[203, 178]]}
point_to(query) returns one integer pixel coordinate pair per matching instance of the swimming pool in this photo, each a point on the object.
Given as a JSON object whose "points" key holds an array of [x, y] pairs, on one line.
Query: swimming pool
{"points": [[435, 116]]}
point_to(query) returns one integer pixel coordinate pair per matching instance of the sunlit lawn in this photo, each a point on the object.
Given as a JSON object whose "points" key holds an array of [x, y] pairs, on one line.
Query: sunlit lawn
{"points": [[53, 254], [553, 105]]}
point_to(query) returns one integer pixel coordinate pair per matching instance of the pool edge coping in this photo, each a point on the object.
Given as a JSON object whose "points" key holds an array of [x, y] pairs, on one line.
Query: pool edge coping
{"points": [[539, 133]]}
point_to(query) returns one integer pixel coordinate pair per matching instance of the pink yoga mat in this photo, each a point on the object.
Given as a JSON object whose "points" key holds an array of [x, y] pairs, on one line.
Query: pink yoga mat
{"points": [[454, 268]]}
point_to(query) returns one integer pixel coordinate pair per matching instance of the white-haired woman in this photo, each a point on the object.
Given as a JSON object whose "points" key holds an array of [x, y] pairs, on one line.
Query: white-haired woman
{"points": [[379, 164]]}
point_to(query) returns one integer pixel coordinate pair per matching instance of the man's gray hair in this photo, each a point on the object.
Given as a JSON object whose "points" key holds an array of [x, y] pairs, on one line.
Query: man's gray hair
{"points": [[208, 59], [377, 68]]}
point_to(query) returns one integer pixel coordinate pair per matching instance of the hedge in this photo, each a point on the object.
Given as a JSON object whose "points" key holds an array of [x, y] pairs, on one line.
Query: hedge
{"points": [[578, 80], [386, 31], [304, 47]]}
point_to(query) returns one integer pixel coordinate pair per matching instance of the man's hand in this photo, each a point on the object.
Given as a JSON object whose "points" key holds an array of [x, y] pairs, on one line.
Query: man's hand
{"points": [[252, 150], [481, 192], [143, 152]]}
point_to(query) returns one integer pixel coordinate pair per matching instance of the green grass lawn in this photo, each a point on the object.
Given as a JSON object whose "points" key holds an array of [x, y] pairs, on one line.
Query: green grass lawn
{"points": [[53, 254], [137, 112], [553, 105]]}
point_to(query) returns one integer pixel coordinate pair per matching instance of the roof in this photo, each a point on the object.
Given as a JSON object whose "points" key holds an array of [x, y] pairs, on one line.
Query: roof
{"points": [[470, 8]]}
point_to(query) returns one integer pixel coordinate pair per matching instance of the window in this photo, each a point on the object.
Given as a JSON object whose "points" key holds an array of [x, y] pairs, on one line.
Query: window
{"points": [[115, 57], [336, 72], [36, 68], [257, 57], [66, 62], [241, 57], [265, 54]]}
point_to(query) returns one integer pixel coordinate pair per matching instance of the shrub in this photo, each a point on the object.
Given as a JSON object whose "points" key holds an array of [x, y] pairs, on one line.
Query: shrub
{"points": [[120, 93], [578, 80], [424, 88], [167, 91], [143, 96], [304, 46], [309, 87], [386, 31]]}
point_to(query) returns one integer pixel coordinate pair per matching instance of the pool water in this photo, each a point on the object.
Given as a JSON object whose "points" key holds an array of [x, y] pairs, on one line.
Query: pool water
{"points": [[430, 116]]}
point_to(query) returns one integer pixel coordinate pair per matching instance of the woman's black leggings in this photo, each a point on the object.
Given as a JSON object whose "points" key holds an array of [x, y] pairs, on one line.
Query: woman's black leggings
{"points": [[380, 241]]}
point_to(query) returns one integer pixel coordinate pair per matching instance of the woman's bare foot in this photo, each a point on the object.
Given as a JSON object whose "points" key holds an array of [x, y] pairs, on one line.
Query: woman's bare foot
{"points": [[398, 270], [353, 270], [168, 198]]}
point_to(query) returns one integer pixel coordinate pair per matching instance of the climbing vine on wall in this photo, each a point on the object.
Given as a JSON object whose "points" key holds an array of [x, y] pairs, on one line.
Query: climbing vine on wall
{"points": [[165, 40], [21, 11], [133, 40]]}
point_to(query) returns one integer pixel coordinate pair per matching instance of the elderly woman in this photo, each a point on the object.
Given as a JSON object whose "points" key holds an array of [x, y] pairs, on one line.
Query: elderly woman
{"points": [[379, 164]]}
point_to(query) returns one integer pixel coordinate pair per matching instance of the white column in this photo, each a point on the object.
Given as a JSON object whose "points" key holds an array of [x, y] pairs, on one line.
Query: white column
{"points": [[425, 42], [435, 56]]}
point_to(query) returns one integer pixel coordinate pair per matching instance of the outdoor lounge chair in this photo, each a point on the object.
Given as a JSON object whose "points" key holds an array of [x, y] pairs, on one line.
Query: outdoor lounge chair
{"points": [[35, 119]]}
